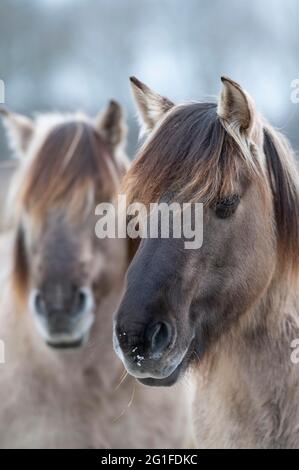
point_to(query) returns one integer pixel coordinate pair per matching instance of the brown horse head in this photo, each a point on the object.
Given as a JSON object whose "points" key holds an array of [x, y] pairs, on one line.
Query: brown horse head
{"points": [[69, 165], [178, 303]]}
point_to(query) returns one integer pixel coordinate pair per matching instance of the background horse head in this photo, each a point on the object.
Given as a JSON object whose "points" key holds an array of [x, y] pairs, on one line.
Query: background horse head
{"points": [[179, 303], [70, 163]]}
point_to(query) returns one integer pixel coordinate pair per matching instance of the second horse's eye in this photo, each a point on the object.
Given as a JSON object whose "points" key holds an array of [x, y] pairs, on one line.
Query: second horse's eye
{"points": [[226, 206]]}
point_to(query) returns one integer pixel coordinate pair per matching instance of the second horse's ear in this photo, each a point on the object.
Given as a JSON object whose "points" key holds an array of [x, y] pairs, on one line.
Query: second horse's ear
{"points": [[235, 106], [19, 130], [151, 106], [112, 125]]}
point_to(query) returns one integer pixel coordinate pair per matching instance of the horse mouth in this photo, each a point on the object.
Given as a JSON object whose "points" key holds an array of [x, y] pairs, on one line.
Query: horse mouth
{"points": [[165, 382], [66, 345], [175, 375]]}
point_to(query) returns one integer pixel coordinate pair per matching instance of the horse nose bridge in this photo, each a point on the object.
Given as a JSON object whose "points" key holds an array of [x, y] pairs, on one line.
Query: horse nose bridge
{"points": [[62, 296], [57, 294]]}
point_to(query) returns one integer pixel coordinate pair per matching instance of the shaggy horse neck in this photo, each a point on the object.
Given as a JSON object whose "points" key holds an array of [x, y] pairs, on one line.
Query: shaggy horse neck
{"points": [[247, 388], [249, 374], [275, 315]]}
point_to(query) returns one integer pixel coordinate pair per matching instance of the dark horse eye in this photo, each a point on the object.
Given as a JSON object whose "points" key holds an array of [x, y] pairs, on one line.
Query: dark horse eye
{"points": [[225, 207]]}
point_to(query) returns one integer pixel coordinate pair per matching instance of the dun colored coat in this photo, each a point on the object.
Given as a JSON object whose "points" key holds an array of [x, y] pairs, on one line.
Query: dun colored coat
{"points": [[61, 385], [229, 310]]}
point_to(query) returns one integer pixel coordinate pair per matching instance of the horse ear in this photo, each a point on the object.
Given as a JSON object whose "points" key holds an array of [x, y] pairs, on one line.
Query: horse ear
{"points": [[151, 105], [112, 125], [19, 130], [235, 106]]}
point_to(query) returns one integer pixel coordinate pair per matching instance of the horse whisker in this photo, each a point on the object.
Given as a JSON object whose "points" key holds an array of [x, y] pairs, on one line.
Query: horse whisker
{"points": [[123, 378], [128, 405]]}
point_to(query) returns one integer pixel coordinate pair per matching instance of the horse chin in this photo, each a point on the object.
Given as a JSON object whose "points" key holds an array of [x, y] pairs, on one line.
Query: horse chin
{"points": [[175, 375], [165, 382], [78, 343], [62, 343], [69, 339]]}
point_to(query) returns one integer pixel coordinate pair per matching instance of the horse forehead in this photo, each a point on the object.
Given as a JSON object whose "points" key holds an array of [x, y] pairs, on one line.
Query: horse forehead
{"points": [[50, 231]]}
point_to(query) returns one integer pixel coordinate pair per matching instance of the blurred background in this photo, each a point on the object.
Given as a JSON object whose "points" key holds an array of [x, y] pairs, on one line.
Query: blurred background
{"points": [[76, 54]]}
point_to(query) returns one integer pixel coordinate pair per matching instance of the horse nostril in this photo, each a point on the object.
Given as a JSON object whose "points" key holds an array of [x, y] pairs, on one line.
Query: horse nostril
{"points": [[37, 303], [159, 336], [84, 300], [81, 300]]}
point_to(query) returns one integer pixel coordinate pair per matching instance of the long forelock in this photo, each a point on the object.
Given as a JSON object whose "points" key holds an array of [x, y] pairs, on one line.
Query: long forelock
{"points": [[193, 156], [72, 167]]}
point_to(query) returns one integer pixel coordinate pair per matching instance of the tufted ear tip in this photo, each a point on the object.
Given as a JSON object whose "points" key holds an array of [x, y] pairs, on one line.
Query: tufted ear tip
{"points": [[226, 78], [137, 83], [114, 104], [133, 79], [227, 81]]}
